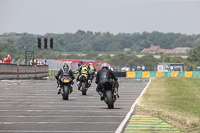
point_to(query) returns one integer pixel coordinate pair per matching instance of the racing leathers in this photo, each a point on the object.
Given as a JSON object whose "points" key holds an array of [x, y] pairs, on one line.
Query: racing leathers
{"points": [[82, 70], [91, 71], [64, 71], [105, 75]]}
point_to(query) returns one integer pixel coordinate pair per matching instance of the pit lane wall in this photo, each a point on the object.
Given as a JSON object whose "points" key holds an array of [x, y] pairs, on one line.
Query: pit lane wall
{"points": [[14, 71]]}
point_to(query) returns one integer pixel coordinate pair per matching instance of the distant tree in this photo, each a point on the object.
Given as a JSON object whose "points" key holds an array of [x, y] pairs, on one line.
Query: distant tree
{"points": [[8, 48], [197, 42], [194, 54], [114, 47], [82, 41]]}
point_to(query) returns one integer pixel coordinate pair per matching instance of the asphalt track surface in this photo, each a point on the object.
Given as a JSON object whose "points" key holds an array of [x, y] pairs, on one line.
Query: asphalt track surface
{"points": [[33, 106]]}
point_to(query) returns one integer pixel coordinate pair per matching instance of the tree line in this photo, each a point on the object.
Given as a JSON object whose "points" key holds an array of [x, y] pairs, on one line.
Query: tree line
{"points": [[82, 41], [92, 44]]}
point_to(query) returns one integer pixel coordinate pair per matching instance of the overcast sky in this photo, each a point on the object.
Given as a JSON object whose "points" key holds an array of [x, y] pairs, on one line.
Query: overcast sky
{"points": [[114, 16]]}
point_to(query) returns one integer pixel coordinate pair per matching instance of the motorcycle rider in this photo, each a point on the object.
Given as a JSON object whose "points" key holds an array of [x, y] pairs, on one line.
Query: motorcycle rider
{"points": [[82, 70], [103, 76], [64, 71], [91, 70]]}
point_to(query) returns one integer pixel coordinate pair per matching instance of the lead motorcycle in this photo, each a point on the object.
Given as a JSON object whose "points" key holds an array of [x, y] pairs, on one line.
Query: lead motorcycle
{"points": [[110, 94], [66, 86], [84, 84]]}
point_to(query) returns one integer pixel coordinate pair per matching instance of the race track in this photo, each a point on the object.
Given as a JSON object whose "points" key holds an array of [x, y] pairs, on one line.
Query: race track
{"points": [[33, 106]]}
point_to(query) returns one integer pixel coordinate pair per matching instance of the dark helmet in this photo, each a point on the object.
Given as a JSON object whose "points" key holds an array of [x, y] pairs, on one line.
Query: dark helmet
{"points": [[65, 68], [80, 63], [65, 65]]}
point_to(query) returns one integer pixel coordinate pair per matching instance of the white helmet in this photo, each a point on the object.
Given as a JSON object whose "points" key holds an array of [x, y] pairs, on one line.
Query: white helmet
{"points": [[105, 65]]}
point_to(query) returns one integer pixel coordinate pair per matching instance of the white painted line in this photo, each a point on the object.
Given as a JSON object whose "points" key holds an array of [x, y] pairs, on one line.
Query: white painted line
{"points": [[46, 131], [121, 126], [59, 99], [26, 95], [53, 106], [22, 102], [28, 98], [22, 116], [58, 111], [58, 122]]}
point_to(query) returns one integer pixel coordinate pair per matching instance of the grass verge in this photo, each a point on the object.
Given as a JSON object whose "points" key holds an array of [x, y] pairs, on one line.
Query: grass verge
{"points": [[174, 100]]}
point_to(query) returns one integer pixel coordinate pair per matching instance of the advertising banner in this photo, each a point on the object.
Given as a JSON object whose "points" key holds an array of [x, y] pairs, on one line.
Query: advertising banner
{"points": [[130, 74], [195, 73], [188, 73], [159, 74], [138, 74], [167, 74], [174, 73], [145, 74], [181, 74], [152, 74]]}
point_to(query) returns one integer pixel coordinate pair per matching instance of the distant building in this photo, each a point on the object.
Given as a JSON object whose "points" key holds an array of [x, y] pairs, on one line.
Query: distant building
{"points": [[166, 67], [127, 49], [125, 69], [156, 49], [181, 50]]}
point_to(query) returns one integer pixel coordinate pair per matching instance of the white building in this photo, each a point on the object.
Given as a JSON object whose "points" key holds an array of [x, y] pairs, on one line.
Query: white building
{"points": [[181, 50], [166, 67]]}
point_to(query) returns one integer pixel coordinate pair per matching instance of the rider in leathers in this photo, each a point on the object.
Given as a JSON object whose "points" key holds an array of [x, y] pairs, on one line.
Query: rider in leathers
{"points": [[64, 71], [103, 76], [91, 71]]}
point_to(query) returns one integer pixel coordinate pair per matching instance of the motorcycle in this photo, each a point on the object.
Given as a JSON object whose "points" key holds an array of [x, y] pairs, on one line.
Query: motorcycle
{"points": [[66, 87], [110, 93], [84, 84], [91, 74]]}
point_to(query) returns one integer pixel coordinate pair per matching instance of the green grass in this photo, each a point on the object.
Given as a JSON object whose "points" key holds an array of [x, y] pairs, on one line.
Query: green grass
{"points": [[174, 99]]}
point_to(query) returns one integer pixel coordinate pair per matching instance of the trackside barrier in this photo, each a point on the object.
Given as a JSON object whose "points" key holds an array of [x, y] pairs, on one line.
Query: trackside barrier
{"points": [[142, 74], [120, 74], [14, 71], [149, 74], [53, 73]]}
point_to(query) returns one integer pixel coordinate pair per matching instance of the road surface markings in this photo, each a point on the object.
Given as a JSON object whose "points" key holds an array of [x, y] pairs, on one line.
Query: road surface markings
{"points": [[139, 123], [58, 122], [53, 100], [128, 115], [46, 131], [50, 116], [60, 111], [47, 102], [61, 106]]}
